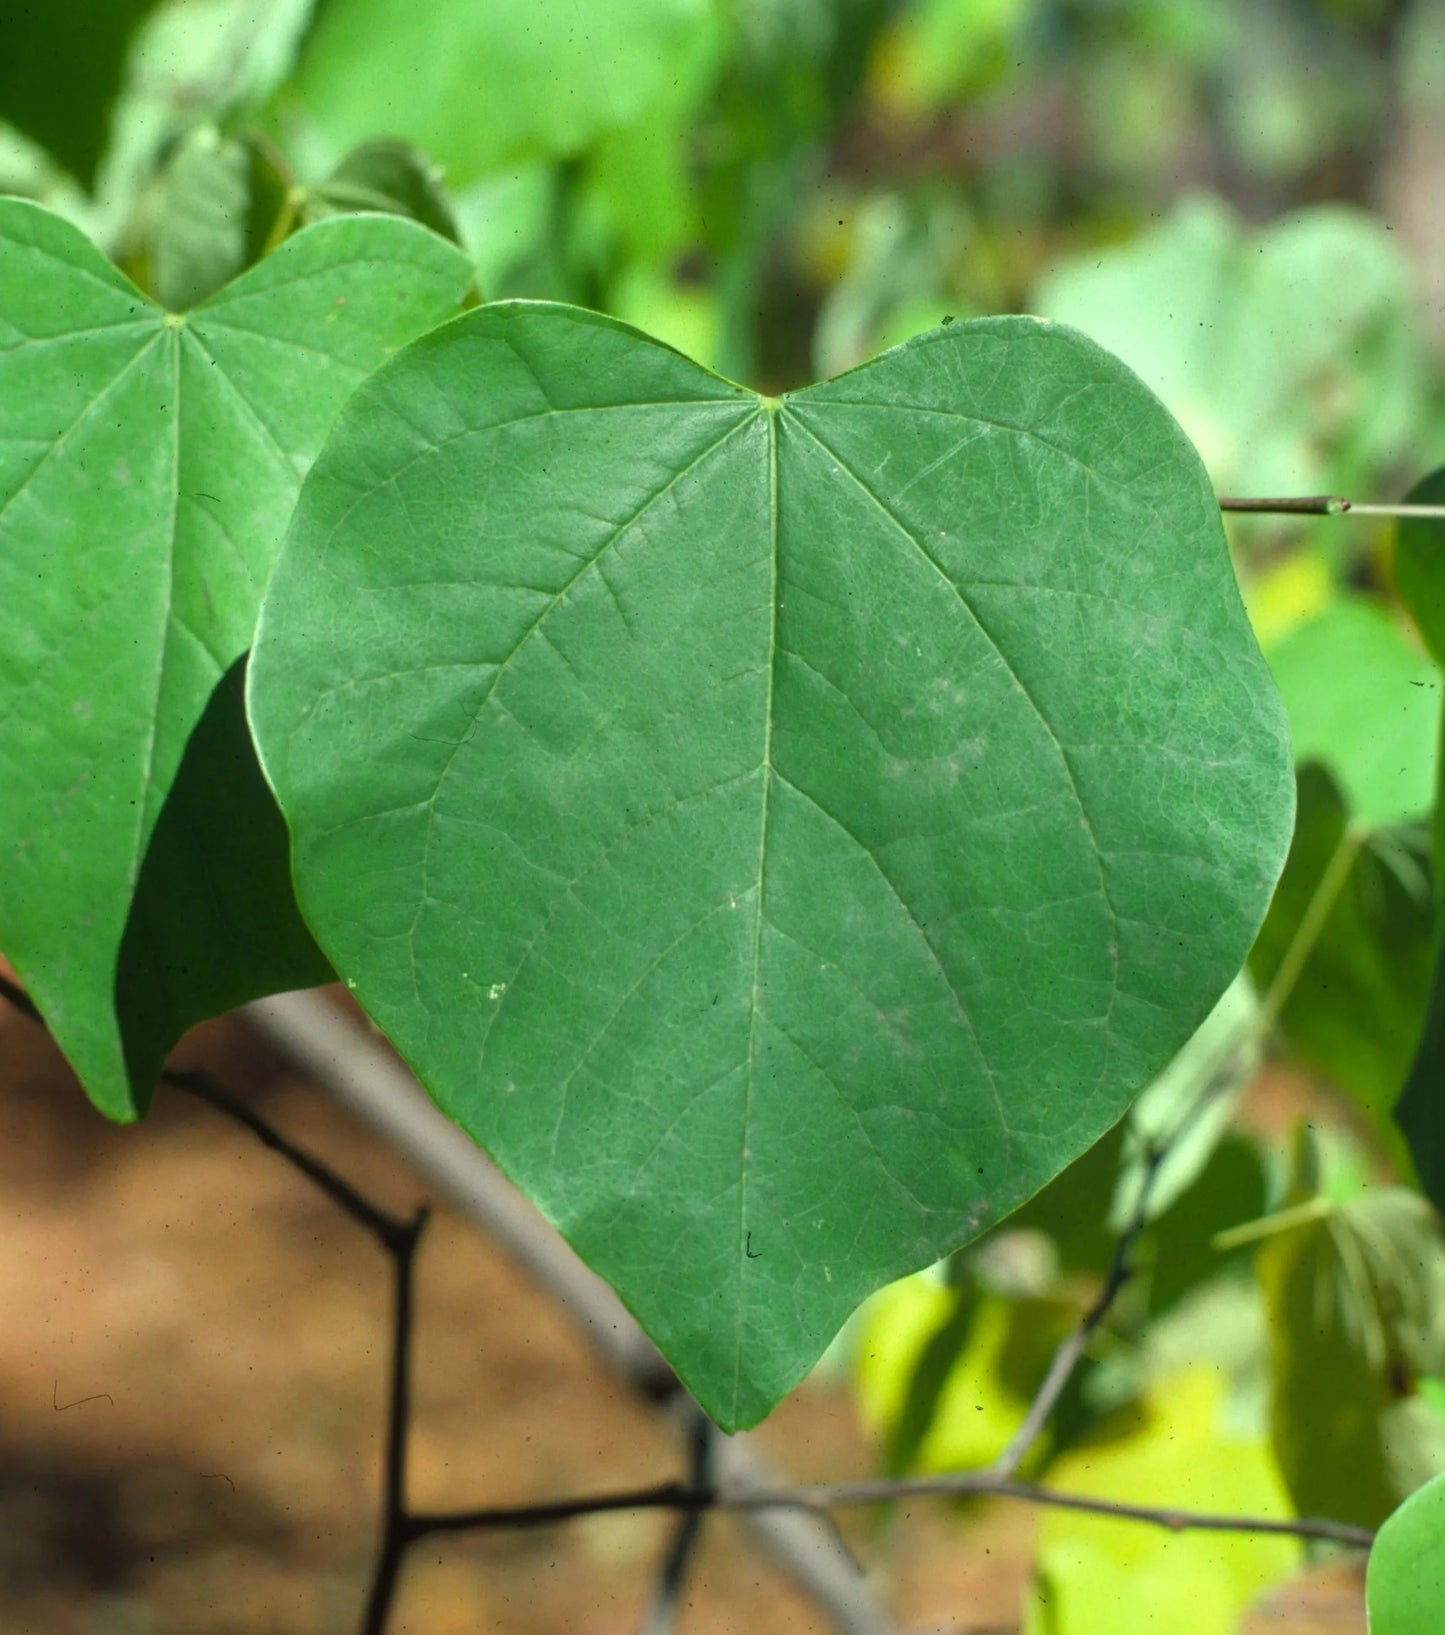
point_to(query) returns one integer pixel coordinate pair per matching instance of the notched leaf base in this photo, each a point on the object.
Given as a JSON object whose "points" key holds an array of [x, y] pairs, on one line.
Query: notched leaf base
{"points": [[784, 835]]}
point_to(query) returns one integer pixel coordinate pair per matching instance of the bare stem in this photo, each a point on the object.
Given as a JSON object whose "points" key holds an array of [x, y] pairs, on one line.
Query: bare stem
{"points": [[1309, 505], [1397, 510], [1311, 926], [662, 1617], [1121, 1268], [392, 1232], [397, 1529], [1324, 505], [965, 1484]]}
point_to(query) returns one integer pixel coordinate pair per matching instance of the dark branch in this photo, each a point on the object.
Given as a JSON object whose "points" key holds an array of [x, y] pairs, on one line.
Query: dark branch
{"points": [[1328, 505], [673, 1496], [392, 1232], [702, 1448], [1121, 1268], [395, 1532], [1309, 505]]}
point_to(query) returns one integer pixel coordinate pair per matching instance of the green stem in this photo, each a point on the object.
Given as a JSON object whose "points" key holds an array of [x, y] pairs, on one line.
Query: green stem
{"points": [[1323, 505], [1311, 925], [1266, 1226], [1309, 505], [284, 222]]}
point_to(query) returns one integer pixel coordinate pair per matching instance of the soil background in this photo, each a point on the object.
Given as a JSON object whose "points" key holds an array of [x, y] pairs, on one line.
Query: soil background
{"points": [[193, 1348]]}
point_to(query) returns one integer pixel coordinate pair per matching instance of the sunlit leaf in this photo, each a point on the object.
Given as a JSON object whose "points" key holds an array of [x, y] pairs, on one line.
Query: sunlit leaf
{"points": [[944, 1374], [783, 832], [1096, 1573]]}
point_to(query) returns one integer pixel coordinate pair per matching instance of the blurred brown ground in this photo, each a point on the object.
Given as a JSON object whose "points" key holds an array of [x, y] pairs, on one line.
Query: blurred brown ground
{"points": [[192, 1361]]}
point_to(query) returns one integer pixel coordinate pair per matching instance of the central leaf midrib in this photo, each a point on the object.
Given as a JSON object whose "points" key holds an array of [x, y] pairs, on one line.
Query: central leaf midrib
{"points": [[148, 807], [760, 889]]}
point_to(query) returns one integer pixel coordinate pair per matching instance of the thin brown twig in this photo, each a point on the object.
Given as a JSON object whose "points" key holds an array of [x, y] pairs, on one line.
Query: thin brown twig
{"points": [[1309, 505], [662, 1615], [1121, 1268], [964, 1484], [390, 1230], [396, 1534], [1070, 1351], [399, 1238], [1324, 505], [368, 1079]]}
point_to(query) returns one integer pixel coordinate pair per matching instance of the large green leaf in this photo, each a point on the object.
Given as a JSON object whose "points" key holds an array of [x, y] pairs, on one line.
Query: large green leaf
{"points": [[1405, 1580], [148, 467], [783, 832]]}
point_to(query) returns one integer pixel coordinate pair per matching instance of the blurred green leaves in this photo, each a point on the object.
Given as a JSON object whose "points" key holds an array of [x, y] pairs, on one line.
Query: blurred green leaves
{"points": [[1094, 1573], [1349, 938], [61, 68], [225, 201], [388, 176], [939, 51], [482, 86], [1364, 702], [220, 200], [1356, 1295], [1288, 353]]}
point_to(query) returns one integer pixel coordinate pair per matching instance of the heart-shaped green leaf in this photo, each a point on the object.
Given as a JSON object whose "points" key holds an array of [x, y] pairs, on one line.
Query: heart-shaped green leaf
{"points": [[783, 832], [148, 467]]}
